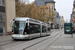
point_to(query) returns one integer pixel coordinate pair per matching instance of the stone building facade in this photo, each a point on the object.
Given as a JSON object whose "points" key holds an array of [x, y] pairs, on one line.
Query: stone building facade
{"points": [[7, 13], [73, 13], [61, 22], [57, 18], [45, 3]]}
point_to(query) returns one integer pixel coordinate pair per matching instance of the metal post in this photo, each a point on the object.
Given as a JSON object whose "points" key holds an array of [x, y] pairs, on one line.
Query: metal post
{"points": [[72, 34], [42, 15], [3, 31], [29, 13]]}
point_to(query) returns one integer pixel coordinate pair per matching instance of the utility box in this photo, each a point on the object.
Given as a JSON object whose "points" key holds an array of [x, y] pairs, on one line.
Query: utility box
{"points": [[68, 28]]}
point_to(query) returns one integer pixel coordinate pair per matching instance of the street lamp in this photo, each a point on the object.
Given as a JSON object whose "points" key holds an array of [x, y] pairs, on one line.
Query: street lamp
{"points": [[52, 12], [29, 13]]}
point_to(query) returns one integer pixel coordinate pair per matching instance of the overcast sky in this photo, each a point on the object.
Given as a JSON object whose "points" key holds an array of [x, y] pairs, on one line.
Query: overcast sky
{"points": [[64, 7]]}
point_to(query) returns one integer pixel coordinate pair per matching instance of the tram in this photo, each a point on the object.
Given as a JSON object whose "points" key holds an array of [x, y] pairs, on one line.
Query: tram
{"points": [[27, 28]]}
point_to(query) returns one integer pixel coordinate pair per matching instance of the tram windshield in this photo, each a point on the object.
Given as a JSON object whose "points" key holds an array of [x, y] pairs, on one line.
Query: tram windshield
{"points": [[18, 27]]}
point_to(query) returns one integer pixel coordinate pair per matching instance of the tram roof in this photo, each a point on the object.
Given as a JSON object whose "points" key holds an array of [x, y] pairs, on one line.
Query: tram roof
{"points": [[27, 18], [21, 18]]}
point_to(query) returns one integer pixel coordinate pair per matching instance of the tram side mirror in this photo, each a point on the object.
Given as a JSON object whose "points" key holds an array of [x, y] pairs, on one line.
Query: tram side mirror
{"points": [[11, 22]]}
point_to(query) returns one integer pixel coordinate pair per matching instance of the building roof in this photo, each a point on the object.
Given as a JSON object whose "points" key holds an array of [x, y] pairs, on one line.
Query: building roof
{"points": [[50, 1], [43, 2]]}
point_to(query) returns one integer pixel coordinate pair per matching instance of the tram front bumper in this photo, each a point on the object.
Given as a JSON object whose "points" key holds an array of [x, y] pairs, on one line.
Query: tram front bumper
{"points": [[20, 36]]}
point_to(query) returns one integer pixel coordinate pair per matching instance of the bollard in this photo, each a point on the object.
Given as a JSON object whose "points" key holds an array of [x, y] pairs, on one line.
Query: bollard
{"points": [[72, 35]]}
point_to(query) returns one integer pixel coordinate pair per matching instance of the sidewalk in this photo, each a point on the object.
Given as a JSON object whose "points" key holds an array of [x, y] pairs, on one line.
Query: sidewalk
{"points": [[65, 42], [5, 38]]}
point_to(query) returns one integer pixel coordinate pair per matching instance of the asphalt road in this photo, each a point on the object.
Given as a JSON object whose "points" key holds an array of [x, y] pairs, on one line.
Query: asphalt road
{"points": [[34, 44]]}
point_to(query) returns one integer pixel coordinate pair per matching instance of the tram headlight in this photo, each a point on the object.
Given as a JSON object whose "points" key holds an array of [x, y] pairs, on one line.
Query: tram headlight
{"points": [[13, 35]]}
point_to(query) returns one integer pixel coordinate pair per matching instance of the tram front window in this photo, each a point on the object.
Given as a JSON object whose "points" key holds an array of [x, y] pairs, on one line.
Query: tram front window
{"points": [[18, 27]]}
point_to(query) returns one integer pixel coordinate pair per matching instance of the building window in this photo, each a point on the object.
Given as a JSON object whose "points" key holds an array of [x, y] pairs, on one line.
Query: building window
{"points": [[3, 3], [0, 2], [52, 7], [3, 17], [0, 17], [1, 30]]}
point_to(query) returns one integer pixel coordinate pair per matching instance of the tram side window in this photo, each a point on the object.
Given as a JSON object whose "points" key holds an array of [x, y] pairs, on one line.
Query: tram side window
{"points": [[43, 29], [26, 29], [34, 28], [48, 29]]}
